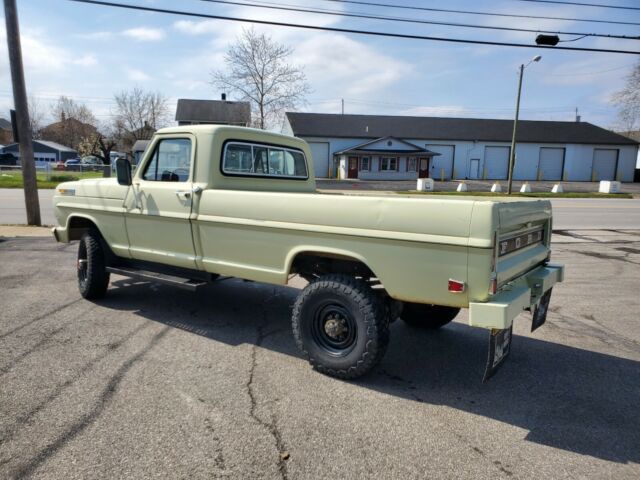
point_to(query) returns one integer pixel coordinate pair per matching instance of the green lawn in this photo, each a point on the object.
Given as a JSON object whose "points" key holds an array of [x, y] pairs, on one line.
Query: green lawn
{"points": [[13, 179], [518, 194]]}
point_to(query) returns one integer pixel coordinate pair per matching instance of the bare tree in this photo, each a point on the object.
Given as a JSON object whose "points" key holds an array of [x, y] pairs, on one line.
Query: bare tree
{"points": [[36, 116], [628, 102], [73, 123], [258, 69], [140, 113]]}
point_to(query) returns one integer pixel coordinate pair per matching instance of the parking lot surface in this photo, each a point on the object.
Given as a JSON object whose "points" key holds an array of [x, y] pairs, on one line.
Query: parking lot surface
{"points": [[155, 382]]}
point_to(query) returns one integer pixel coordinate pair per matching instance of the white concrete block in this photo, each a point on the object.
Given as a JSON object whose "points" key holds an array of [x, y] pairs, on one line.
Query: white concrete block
{"points": [[525, 188], [462, 187], [425, 185], [557, 188], [496, 187], [607, 186]]}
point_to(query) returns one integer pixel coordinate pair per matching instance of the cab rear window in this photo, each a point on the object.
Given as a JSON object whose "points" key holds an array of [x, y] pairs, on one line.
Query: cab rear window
{"points": [[256, 160]]}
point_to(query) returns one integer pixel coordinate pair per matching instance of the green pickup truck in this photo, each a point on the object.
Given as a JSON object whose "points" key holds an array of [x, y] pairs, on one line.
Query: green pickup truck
{"points": [[207, 201]]}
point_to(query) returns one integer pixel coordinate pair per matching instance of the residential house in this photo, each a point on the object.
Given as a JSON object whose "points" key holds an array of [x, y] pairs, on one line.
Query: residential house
{"points": [[390, 147], [213, 112]]}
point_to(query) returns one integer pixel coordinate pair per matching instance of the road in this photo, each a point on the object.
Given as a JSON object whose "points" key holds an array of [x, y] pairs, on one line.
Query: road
{"points": [[569, 213], [154, 382]]}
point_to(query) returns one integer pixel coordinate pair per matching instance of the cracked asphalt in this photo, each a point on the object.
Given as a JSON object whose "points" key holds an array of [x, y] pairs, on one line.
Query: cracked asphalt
{"points": [[154, 382]]}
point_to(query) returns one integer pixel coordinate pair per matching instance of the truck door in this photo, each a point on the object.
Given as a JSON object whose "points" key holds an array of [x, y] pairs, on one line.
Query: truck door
{"points": [[158, 205]]}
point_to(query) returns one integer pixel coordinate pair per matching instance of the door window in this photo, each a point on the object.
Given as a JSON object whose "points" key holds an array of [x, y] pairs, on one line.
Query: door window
{"points": [[171, 161]]}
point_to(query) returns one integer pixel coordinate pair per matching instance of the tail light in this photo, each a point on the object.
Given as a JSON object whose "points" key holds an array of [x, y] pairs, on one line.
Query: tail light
{"points": [[456, 286], [493, 285]]}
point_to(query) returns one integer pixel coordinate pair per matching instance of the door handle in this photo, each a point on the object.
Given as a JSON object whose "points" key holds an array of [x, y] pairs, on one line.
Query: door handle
{"points": [[185, 194]]}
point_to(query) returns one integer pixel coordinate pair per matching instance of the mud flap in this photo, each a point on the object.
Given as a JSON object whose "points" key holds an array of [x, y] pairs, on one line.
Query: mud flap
{"points": [[540, 312], [499, 349]]}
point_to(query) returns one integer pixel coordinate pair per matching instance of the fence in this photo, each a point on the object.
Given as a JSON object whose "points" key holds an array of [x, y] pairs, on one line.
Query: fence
{"points": [[49, 169]]}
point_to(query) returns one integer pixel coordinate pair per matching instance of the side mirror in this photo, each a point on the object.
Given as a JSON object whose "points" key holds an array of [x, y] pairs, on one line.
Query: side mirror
{"points": [[123, 171]]}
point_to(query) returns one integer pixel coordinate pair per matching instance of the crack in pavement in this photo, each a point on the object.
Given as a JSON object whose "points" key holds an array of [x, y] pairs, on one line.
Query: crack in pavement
{"points": [[105, 398], [40, 317], [272, 425]]}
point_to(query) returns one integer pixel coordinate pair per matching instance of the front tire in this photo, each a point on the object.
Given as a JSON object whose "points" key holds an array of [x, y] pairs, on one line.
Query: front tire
{"points": [[430, 317], [93, 278], [341, 326]]}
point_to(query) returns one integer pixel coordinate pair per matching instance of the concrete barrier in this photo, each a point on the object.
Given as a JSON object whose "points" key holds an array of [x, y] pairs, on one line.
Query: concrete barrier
{"points": [[525, 188], [462, 187], [425, 185], [609, 186], [496, 187], [557, 188]]}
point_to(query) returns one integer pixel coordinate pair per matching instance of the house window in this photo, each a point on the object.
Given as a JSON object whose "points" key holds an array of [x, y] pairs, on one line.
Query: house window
{"points": [[411, 164], [365, 163], [388, 164]]}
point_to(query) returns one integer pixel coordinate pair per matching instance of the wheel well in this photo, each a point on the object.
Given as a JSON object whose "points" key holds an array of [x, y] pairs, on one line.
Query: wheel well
{"points": [[310, 265], [78, 226]]}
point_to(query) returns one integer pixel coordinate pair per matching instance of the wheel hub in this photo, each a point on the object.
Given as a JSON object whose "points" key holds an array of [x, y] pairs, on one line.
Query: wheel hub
{"points": [[335, 328]]}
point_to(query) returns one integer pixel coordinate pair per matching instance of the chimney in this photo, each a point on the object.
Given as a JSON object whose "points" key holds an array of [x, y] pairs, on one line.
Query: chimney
{"points": [[224, 97]]}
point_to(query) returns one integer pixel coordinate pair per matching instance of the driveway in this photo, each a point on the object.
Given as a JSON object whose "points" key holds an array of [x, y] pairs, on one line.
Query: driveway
{"points": [[158, 382]]}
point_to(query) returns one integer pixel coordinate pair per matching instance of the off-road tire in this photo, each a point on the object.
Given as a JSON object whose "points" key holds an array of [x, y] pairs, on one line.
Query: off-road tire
{"points": [[93, 278], [365, 313], [430, 317]]}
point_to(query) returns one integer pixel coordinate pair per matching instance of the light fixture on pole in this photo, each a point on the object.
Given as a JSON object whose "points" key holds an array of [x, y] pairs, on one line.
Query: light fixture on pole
{"points": [[512, 153]]}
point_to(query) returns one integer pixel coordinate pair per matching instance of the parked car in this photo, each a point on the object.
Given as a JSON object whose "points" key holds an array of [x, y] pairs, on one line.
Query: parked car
{"points": [[73, 164], [8, 159], [244, 204]]}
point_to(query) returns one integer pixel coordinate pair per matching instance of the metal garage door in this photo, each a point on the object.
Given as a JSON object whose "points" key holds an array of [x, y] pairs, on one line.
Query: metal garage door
{"points": [[442, 163], [320, 154], [604, 164], [496, 162], [551, 163]]}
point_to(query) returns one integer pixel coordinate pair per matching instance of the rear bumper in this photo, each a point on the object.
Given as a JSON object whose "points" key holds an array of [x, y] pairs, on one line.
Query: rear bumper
{"points": [[521, 294], [61, 234]]}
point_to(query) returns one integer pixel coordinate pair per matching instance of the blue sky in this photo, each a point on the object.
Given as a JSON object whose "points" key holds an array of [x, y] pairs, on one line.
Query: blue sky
{"points": [[89, 52]]}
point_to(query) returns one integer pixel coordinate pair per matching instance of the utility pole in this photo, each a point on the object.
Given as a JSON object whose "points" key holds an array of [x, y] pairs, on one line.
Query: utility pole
{"points": [[22, 114], [512, 153], [342, 100]]}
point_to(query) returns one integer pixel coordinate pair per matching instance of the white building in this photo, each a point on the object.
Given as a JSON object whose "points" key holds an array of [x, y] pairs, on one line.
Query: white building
{"points": [[400, 147]]}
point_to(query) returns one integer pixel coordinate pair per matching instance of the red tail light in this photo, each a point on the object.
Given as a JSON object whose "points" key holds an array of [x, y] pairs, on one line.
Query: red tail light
{"points": [[493, 286], [455, 286]]}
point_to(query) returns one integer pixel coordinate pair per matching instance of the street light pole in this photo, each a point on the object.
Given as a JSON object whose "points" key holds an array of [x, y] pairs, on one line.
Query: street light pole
{"points": [[512, 153]]}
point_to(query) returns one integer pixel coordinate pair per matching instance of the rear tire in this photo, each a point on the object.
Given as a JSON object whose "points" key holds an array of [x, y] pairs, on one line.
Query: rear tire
{"points": [[93, 278], [341, 326], [429, 317]]}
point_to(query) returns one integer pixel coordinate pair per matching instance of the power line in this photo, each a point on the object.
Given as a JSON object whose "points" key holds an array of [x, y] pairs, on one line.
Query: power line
{"points": [[292, 8], [475, 12], [621, 7], [344, 30]]}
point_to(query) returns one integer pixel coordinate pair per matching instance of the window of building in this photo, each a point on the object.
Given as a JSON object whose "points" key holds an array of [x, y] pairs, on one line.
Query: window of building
{"points": [[171, 161], [388, 164], [263, 160], [411, 164], [365, 163]]}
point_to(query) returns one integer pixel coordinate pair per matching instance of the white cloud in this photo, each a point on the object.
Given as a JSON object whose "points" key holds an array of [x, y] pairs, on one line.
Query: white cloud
{"points": [[85, 61], [137, 75], [145, 34]]}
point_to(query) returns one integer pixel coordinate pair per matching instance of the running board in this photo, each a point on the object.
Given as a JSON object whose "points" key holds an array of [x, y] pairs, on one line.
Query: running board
{"points": [[180, 282]]}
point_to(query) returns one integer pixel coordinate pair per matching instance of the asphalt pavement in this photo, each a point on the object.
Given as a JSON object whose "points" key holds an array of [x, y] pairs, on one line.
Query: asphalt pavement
{"points": [[154, 382], [569, 213]]}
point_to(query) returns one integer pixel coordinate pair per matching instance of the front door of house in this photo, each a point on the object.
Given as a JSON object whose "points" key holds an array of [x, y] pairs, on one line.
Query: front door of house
{"points": [[423, 168], [353, 167]]}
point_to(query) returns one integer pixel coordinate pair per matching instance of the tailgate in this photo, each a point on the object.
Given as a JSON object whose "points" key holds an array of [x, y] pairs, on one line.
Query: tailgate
{"points": [[524, 235]]}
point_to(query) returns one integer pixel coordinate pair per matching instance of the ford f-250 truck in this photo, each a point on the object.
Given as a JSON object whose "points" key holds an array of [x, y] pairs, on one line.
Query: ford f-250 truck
{"points": [[207, 201]]}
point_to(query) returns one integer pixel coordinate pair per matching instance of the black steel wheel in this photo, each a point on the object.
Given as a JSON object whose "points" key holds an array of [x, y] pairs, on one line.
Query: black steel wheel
{"points": [[93, 278], [341, 326], [430, 317]]}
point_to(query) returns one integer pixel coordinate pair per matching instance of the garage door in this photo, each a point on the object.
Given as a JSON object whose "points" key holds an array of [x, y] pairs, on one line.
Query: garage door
{"points": [[320, 154], [496, 162], [604, 164], [443, 163], [551, 162]]}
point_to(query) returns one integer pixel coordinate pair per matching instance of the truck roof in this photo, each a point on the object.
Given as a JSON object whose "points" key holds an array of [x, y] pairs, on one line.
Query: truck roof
{"points": [[227, 129]]}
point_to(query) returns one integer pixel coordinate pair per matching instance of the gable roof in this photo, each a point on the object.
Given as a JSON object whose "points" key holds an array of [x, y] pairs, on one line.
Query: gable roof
{"points": [[214, 111], [5, 124], [366, 147], [46, 143], [445, 128]]}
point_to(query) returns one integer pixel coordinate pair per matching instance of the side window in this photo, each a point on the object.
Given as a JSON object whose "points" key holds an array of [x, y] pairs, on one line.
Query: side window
{"points": [[263, 161], [171, 161]]}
